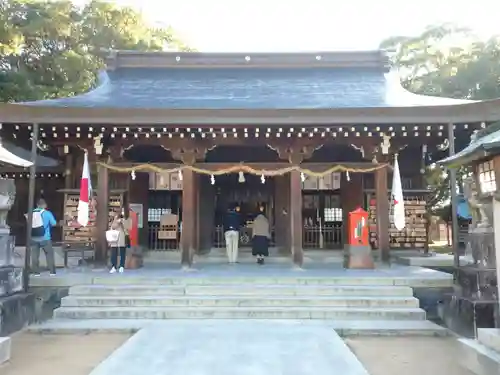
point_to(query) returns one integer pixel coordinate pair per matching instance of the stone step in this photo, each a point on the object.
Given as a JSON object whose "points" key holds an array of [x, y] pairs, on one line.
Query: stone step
{"points": [[489, 337], [5, 349], [238, 301], [342, 327], [241, 290], [477, 358], [345, 313], [193, 279]]}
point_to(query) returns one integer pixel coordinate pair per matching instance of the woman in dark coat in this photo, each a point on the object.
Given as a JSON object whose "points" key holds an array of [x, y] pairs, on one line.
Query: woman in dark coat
{"points": [[260, 237]]}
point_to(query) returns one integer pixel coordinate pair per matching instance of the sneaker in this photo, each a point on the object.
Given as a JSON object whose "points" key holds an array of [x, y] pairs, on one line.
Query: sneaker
{"points": [[121, 270], [52, 274], [112, 270], [36, 275]]}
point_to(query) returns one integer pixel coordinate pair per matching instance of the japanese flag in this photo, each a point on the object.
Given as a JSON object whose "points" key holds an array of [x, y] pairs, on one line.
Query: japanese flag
{"points": [[85, 194], [397, 198]]}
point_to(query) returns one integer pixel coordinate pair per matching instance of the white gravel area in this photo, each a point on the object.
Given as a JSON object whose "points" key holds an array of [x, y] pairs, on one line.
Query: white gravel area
{"points": [[408, 355]]}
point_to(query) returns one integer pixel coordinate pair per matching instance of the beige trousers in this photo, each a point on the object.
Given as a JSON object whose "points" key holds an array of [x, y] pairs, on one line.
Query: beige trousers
{"points": [[232, 239]]}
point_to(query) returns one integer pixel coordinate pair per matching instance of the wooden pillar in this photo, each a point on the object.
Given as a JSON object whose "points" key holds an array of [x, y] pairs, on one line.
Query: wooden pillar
{"points": [[296, 225], [382, 198], [138, 193], [282, 208], [351, 195], [188, 218], [69, 177], [206, 213], [102, 214], [196, 204]]}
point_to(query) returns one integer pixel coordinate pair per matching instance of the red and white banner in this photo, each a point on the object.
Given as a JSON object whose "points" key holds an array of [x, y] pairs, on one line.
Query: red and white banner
{"points": [[85, 194], [397, 198]]}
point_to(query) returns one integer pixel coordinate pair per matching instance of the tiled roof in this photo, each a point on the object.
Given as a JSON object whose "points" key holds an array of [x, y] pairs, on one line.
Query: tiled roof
{"points": [[248, 88], [486, 143]]}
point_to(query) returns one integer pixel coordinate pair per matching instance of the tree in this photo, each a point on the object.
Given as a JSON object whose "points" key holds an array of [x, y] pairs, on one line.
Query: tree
{"points": [[447, 61], [52, 49]]}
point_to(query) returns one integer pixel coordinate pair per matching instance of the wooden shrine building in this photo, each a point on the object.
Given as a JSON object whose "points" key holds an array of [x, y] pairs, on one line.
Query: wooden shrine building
{"points": [[180, 136]]}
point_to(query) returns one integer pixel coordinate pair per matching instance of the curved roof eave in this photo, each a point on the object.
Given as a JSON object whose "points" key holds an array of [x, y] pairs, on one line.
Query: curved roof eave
{"points": [[103, 82], [397, 95], [487, 111], [407, 108]]}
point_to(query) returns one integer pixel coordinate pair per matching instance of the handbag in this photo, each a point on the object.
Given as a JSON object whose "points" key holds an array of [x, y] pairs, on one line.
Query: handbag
{"points": [[112, 235]]}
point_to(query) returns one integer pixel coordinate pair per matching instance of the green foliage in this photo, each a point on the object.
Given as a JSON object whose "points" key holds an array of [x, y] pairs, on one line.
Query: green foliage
{"points": [[447, 61], [52, 49]]}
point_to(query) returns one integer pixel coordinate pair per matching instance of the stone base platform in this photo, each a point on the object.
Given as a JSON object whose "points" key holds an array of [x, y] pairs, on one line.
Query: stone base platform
{"points": [[206, 274], [4, 349], [434, 260], [343, 328], [482, 356]]}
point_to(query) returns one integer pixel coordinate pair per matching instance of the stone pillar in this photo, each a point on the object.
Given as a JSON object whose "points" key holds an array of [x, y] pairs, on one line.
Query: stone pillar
{"points": [[295, 213], [383, 225], [102, 214], [496, 218], [496, 231], [188, 218]]}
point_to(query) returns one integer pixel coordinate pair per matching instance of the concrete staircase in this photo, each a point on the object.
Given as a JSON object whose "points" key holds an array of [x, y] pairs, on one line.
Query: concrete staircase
{"points": [[244, 301]]}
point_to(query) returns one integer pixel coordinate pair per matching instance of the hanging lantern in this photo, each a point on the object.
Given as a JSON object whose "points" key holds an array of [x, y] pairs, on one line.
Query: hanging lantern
{"points": [[180, 174], [212, 179], [132, 174], [241, 177], [263, 179], [348, 177], [302, 176]]}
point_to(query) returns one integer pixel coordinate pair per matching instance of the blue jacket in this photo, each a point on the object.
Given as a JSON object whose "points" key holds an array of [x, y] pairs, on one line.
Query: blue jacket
{"points": [[49, 221], [232, 221]]}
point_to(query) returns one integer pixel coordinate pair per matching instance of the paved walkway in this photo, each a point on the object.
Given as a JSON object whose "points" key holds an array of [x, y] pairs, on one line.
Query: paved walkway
{"points": [[233, 348]]}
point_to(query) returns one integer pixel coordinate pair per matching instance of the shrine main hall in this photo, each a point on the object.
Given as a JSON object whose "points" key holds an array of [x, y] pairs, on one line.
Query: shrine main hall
{"points": [[177, 137]]}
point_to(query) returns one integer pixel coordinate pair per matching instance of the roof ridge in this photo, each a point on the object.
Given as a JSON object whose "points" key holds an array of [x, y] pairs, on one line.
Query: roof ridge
{"points": [[132, 59]]}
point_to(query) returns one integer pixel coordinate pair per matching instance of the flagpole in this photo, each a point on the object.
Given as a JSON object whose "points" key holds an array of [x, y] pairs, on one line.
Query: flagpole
{"points": [[31, 206]]}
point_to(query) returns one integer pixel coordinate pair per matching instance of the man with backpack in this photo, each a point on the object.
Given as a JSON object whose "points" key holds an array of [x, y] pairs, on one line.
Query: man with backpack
{"points": [[41, 238]]}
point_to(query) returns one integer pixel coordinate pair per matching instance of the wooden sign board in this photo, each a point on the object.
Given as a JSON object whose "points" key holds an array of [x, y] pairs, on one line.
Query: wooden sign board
{"points": [[167, 234], [165, 181], [328, 182]]}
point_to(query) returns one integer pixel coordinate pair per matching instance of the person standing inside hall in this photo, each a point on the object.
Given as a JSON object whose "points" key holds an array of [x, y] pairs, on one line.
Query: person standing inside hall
{"points": [[232, 224], [260, 236], [41, 238]]}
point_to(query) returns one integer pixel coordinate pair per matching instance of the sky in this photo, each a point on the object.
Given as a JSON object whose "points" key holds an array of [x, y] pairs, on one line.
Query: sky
{"points": [[310, 25]]}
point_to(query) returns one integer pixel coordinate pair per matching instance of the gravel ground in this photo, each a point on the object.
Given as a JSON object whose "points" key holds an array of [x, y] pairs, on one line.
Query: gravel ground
{"points": [[407, 355], [59, 354]]}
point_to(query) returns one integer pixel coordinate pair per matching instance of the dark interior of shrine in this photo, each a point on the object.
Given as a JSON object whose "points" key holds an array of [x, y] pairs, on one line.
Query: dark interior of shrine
{"points": [[245, 154]]}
